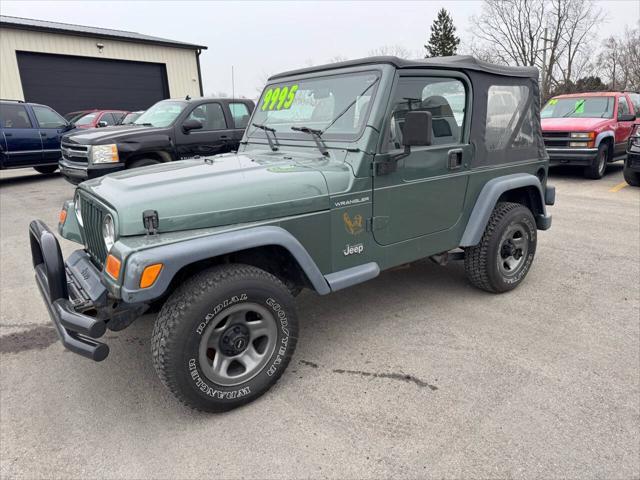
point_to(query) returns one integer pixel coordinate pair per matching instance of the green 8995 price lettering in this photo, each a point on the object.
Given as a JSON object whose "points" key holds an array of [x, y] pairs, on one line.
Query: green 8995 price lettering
{"points": [[279, 98]]}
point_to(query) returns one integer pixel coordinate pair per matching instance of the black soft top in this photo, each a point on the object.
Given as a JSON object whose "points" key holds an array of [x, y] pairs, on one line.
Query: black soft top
{"points": [[456, 62]]}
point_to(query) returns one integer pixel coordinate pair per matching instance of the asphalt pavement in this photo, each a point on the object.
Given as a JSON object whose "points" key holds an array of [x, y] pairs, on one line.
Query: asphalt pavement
{"points": [[415, 374]]}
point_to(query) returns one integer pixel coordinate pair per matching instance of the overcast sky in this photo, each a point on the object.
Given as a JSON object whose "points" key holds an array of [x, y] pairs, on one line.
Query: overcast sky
{"points": [[263, 38]]}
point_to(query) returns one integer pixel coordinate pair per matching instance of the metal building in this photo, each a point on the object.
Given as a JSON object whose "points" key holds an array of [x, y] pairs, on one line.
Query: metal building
{"points": [[73, 67]]}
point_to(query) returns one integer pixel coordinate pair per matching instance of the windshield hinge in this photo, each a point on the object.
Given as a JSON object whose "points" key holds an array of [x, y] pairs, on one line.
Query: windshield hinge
{"points": [[150, 221]]}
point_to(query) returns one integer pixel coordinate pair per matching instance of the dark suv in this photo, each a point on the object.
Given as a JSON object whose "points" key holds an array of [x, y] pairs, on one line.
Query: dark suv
{"points": [[30, 135], [169, 130]]}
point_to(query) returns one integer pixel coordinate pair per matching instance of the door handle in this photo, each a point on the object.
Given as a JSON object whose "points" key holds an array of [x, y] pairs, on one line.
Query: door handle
{"points": [[7, 134], [454, 159], [223, 136], [43, 134]]}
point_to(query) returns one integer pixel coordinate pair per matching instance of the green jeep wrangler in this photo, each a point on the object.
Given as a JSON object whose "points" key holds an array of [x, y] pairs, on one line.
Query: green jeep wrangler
{"points": [[345, 170]]}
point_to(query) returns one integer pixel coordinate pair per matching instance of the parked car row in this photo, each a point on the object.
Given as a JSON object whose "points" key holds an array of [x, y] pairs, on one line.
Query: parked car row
{"points": [[32, 135], [589, 129]]}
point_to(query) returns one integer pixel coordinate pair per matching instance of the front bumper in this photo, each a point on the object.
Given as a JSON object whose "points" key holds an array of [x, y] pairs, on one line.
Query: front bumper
{"points": [[76, 172], [572, 156], [67, 290]]}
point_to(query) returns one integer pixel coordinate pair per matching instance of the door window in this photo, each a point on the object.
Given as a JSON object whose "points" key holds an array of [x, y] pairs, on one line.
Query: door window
{"points": [[108, 118], [14, 116], [210, 115], [240, 114], [623, 107], [47, 118], [444, 98]]}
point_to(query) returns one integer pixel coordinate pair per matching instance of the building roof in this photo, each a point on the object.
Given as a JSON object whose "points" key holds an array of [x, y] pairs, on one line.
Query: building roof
{"points": [[95, 32], [457, 62]]}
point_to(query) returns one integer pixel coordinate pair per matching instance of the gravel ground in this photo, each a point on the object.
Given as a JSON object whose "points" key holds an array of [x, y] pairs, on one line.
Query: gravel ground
{"points": [[414, 374]]}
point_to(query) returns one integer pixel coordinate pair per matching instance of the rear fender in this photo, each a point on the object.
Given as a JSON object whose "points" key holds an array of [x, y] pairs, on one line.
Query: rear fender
{"points": [[488, 198]]}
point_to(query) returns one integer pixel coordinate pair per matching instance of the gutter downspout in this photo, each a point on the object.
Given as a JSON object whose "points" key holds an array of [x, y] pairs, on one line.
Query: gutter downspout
{"points": [[198, 52]]}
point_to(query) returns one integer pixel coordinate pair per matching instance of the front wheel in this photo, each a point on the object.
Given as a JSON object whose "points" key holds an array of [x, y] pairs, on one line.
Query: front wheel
{"points": [[224, 337], [502, 259], [598, 165]]}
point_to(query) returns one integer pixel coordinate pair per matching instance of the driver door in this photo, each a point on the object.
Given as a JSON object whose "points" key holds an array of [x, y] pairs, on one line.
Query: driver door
{"points": [[425, 193], [211, 139]]}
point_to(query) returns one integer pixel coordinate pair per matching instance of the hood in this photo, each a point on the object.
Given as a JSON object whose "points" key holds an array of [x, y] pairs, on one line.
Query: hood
{"points": [[573, 124], [106, 135], [222, 190]]}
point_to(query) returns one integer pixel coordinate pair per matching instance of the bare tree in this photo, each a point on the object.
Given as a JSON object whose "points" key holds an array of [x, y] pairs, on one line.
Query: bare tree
{"points": [[619, 60], [553, 35], [513, 29], [392, 50]]}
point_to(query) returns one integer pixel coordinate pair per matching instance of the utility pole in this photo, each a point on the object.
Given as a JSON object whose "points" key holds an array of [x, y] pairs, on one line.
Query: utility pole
{"points": [[233, 87], [544, 61]]}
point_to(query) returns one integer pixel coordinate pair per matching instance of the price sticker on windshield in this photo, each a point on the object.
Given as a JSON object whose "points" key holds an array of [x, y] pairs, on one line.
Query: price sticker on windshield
{"points": [[279, 98], [579, 106], [553, 101]]}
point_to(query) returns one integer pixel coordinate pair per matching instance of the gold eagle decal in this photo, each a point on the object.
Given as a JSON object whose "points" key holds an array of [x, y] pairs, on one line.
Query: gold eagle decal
{"points": [[354, 226]]}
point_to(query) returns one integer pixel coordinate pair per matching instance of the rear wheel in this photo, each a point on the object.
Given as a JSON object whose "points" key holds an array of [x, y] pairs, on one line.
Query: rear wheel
{"points": [[144, 162], [504, 255], [598, 165], [224, 337], [46, 169]]}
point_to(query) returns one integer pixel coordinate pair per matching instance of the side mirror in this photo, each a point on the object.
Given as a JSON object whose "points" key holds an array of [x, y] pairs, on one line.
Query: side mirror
{"points": [[189, 125], [101, 124], [69, 126], [417, 129], [626, 117]]}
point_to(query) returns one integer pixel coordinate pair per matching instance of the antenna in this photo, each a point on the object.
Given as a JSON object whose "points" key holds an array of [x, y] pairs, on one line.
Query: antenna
{"points": [[233, 88]]}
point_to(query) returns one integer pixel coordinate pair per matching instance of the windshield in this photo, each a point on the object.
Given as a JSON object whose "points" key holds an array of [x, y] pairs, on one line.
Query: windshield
{"points": [[162, 114], [576, 107], [86, 119], [315, 103]]}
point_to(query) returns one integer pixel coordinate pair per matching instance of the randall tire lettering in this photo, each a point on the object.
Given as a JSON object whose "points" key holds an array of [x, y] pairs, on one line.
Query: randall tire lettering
{"points": [[224, 337]]}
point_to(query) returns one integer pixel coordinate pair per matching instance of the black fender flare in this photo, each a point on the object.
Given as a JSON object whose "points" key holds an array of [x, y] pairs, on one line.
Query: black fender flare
{"points": [[486, 202], [175, 256]]}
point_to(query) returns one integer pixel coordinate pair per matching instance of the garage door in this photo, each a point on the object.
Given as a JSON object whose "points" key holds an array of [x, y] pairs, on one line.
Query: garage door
{"points": [[69, 83]]}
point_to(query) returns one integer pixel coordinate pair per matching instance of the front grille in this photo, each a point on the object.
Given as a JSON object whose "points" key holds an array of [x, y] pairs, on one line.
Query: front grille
{"points": [[92, 215], [556, 139], [75, 153]]}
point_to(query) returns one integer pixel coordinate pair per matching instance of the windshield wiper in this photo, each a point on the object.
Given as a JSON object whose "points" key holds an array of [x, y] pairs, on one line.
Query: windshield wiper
{"points": [[317, 137], [317, 134], [267, 130]]}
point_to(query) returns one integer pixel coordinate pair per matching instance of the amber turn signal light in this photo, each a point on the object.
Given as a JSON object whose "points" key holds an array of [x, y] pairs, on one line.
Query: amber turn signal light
{"points": [[113, 267], [149, 275], [62, 217]]}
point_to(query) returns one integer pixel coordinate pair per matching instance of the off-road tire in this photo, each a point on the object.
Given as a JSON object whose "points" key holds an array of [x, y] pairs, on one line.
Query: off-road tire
{"points": [[598, 166], [631, 177], [481, 261], [183, 323], [46, 169], [143, 162]]}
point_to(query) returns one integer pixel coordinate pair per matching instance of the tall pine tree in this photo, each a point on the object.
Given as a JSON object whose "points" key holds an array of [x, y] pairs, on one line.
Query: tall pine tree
{"points": [[443, 41]]}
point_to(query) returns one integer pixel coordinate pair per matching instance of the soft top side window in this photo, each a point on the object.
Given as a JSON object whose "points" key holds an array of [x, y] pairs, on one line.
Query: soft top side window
{"points": [[509, 122]]}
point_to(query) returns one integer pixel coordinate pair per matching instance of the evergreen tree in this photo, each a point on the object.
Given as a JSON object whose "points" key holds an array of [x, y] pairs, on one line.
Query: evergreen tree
{"points": [[443, 41]]}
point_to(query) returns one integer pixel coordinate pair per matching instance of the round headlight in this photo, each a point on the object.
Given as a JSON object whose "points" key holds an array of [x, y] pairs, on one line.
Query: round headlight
{"points": [[76, 207], [108, 231]]}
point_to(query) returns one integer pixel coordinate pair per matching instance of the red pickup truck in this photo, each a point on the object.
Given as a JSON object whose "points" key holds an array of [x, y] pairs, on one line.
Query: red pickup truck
{"points": [[588, 129]]}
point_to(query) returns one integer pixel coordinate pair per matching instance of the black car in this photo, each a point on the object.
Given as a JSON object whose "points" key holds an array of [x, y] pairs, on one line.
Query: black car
{"points": [[632, 163], [169, 130]]}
